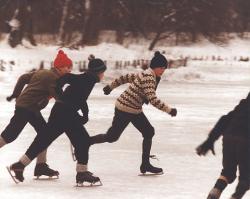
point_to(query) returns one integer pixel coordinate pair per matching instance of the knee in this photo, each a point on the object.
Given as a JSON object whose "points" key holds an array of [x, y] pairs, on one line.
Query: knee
{"points": [[6, 140], [2, 141], [150, 132]]}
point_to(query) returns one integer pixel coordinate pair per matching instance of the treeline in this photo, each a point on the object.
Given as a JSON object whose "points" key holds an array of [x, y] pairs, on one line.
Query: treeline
{"points": [[164, 18]]}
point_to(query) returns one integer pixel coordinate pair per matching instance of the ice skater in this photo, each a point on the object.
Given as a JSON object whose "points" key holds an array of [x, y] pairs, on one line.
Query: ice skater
{"points": [[30, 101], [234, 127], [128, 108], [64, 117]]}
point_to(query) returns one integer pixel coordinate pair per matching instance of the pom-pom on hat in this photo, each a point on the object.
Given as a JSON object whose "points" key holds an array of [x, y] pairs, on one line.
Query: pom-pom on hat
{"points": [[62, 60], [96, 65], [158, 60]]}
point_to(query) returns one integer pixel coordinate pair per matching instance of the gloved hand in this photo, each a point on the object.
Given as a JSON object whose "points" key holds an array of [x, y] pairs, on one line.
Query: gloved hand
{"points": [[107, 90], [11, 97], [173, 112], [205, 147], [84, 119]]}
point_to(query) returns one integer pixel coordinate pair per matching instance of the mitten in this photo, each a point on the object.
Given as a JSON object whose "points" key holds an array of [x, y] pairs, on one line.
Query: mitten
{"points": [[205, 147], [107, 90], [85, 119], [9, 98], [173, 112]]}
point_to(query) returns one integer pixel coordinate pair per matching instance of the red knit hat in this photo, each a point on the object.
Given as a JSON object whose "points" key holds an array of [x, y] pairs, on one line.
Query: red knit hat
{"points": [[62, 60]]}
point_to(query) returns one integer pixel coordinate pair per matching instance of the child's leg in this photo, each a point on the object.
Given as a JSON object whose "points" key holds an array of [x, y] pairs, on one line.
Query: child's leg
{"points": [[240, 190], [119, 123], [15, 127], [39, 124], [229, 163], [218, 188], [242, 154], [141, 122]]}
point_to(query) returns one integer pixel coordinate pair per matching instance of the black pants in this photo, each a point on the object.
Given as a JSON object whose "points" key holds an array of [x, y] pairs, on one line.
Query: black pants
{"points": [[63, 119], [120, 122], [235, 154], [21, 117]]}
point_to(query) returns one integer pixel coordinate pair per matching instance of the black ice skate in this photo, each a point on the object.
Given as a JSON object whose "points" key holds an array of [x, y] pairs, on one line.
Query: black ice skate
{"points": [[88, 177], [42, 169], [147, 167], [16, 172]]}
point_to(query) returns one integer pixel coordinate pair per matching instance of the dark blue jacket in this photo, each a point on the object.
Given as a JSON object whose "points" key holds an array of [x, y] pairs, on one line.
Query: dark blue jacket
{"points": [[78, 90]]}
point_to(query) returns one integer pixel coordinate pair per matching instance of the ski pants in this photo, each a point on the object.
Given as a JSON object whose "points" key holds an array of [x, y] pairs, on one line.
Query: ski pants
{"points": [[21, 117], [235, 154], [63, 119]]}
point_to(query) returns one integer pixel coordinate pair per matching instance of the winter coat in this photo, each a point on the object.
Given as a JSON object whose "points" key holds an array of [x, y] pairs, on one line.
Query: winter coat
{"points": [[235, 123], [76, 94], [142, 88], [40, 88]]}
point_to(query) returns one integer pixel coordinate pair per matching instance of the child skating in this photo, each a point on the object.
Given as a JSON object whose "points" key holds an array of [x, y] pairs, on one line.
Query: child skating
{"points": [[128, 108], [29, 103]]}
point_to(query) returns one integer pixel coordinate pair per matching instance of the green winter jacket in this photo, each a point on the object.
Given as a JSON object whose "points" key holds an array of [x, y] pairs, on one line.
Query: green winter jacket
{"points": [[40, 88]]}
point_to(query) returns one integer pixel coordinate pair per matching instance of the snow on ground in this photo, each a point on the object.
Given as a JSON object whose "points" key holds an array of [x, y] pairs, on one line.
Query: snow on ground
{"points": [[201, 92]]}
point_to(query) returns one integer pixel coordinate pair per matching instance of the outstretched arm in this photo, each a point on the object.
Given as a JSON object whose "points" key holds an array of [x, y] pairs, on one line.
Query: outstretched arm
{"points": [[215, 133], [21, 82], [128, 78], [148, 86]]}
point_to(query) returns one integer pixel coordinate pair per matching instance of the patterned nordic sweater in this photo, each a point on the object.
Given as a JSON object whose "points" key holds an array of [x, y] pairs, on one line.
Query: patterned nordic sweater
{"points": [[142, 87]]}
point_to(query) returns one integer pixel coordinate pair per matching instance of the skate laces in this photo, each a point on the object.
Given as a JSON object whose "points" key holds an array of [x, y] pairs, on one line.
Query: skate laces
{"points": [[154, 157]]}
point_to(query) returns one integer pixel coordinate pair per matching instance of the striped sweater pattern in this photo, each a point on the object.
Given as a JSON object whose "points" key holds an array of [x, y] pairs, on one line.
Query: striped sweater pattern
{"points": [[142, 87]]}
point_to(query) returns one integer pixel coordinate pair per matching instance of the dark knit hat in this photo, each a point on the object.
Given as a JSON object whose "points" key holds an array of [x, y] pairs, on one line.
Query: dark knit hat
{"points": [[62, 60], [96, 65], [158, 60]]}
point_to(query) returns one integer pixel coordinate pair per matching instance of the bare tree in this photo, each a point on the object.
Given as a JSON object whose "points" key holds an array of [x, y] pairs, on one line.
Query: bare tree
{"points": [[161, 29], [62, 31], [21, 24]]}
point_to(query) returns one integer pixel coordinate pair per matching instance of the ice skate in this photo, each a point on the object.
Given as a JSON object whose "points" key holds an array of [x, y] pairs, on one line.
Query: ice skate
{"points": [[16, 172], [87, 177], [42, 169], [148, 169]]}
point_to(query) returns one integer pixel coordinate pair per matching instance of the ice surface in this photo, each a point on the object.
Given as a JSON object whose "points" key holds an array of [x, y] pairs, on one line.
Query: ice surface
{"points": [[201, 92]]}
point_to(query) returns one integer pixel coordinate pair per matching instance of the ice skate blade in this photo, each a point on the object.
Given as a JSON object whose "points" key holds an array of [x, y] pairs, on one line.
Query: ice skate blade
{"points": [[87, 184], [151, 174], [42, 177], [12, 176]]}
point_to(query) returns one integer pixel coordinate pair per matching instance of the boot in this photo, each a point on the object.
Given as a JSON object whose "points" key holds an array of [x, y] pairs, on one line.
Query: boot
{"points": [[86, 176], [43, 169], [147, 167], [18, 169]]}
